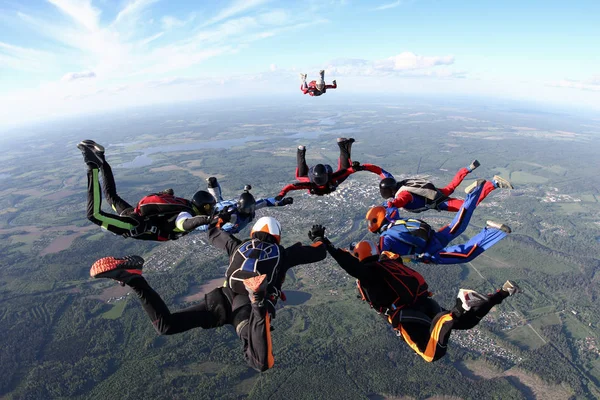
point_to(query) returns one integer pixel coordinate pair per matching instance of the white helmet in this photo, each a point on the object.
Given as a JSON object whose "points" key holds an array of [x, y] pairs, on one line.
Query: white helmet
{"points": [[268, 225]]}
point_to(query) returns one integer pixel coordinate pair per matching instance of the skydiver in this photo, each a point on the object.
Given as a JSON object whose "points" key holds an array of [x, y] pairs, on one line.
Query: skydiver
{"points": [[183, 215], [400, 294], [316, 88], [320, 179], [247, 300], [414, 238], [417, 195], [241, 211]]}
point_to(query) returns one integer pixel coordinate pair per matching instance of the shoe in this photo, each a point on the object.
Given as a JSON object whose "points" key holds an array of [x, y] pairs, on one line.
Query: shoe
{"points": [[511, 288], [502, 183], [474, 185], [256, 287], [345, 140], [303, 77], [470, 298], [474, 164], [334, 83], [321, 72], [120, 269], [93, 153], [497, 225], [301, 148]]}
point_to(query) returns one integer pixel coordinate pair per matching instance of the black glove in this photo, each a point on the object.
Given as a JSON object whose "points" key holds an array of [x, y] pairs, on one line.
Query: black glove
{"points": [[212, 182], [278, 197], [357, 167], [286, 201], [224, 215], [317, 233]]}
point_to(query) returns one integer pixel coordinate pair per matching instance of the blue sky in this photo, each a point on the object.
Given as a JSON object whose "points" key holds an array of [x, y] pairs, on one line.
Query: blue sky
{"points": [[62, 57]]}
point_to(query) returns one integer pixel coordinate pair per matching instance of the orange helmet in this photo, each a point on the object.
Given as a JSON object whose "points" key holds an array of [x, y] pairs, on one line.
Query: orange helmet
{"points": [[375, 218], [364, 249]]}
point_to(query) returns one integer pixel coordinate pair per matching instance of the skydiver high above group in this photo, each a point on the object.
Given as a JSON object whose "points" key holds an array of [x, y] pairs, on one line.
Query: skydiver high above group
{"points": [[258, 265]]}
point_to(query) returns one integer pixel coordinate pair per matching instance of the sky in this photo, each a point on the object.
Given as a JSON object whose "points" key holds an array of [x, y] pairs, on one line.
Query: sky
{"points": [[69, 57]]}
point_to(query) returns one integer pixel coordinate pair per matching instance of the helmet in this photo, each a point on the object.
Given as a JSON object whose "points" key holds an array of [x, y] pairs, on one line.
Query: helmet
{"points": [[267, 225], [320, 175], [364, 249], [246, 204], [203, 203], [387, 187], [375, 218]]}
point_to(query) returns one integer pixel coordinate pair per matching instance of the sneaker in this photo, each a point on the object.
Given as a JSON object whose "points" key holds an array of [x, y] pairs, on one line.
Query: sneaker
{"points": [[301, 148], [474, 164], [212, 182], [334, 83], [502, 183], [93, 153], [511, 288], [303, 77], [474, 185], [321, 72], [120, 269], [256, 287], [470, 298], [345, 140], [498, 225]]}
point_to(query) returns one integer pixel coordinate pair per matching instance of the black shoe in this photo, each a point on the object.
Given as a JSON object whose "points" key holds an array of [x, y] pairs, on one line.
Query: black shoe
{"points": [[93, 153], [120, 269], [473, 165]]}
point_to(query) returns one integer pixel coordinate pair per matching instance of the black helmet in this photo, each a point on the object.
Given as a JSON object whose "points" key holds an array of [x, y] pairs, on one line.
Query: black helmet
{"points": [[320, 175], [203, 203], [246, 204], [387, 187]]}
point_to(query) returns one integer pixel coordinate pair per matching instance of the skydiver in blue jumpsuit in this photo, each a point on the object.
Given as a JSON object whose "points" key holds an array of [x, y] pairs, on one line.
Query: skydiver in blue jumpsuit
{"points": [[240, 211], [413, 237]]}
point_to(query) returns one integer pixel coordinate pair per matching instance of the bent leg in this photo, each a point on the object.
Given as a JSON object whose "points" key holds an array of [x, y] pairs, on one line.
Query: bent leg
{"points": [[458, 224], [255, 333], [451, 204], [301, 167], [464, 253], [471, 318], [456, 181], [120, 225], [431, 344], [167, 323], [345, 159], [110, 190], [488, 188]]}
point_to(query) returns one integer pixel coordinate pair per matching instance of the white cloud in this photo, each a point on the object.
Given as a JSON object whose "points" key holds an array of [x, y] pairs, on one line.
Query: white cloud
{"points": [[236, 7], [132, 9], [21, 58], [388, 5], [403, 64], [592, 84], [273, 67], [73, 76], [81, 11], [170, 22], [408, 61]]}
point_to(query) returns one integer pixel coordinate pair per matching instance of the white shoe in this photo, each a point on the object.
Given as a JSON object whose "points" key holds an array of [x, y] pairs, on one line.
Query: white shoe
{"points": [[502, 183], [498, 225], [470, 298], [511, 288]]}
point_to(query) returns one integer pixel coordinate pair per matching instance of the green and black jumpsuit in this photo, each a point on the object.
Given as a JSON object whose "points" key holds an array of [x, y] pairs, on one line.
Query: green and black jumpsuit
{"points": [[126, 222]]}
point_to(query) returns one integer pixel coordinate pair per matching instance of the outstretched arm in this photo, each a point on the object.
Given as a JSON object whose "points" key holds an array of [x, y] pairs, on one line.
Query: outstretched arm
{"points": [[293, 186], [223, 240], [376, 170], [271, 202], [300, 254], [349, 263]]}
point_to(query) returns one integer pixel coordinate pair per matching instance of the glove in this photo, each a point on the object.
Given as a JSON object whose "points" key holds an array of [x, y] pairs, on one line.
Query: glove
{"points": [[223, 217], [212, 182], [390, 204], [286, 201], [357, 167], [316, 233], [278, 197]]}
